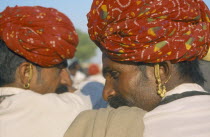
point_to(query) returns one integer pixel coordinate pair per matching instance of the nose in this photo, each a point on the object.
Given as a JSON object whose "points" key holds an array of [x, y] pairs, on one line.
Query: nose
{"points": [[65, 78], [108, 91]]}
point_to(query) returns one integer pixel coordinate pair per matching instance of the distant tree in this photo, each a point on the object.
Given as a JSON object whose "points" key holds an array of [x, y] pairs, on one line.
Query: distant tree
{"points": [[86, 48]]}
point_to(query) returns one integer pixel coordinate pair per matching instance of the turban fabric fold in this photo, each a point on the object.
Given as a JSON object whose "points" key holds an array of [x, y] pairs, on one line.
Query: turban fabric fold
{"points": [[150, 31], [41, 35]]}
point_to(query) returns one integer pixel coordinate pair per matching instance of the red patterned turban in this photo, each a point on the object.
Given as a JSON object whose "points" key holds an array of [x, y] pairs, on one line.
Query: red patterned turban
{"points": [[43, 36], [150, 30]]}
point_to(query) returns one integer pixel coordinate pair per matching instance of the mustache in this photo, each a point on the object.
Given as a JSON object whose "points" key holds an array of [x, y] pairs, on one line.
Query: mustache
{"points": [[118, 101], [61, 89]]}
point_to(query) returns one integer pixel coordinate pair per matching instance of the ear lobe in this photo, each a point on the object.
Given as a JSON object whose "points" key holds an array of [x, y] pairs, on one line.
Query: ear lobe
{"points": [[162, 75], [25, 74]]}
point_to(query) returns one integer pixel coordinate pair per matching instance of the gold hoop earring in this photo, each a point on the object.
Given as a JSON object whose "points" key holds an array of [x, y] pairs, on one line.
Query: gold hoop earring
{"points": [[161, 87], [27, 85]]}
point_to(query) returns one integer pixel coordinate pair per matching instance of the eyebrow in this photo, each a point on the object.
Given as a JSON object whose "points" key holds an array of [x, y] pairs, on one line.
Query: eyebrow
{"points": [[106, 70]]}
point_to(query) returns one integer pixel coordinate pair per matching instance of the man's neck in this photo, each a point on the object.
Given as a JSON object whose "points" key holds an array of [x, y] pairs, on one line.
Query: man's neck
{"points": [[176, 82]]}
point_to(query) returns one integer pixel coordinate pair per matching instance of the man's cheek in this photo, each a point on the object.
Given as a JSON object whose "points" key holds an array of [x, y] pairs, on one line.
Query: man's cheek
{"points": [[122, 89]]}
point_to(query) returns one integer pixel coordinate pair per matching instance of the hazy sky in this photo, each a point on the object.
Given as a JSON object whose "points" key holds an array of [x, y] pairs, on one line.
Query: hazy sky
{"points": [[75, 9]]}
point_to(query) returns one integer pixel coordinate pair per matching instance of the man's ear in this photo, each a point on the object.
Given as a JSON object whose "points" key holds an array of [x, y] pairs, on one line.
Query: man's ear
{"points": [[25, 72], [165, 71]]}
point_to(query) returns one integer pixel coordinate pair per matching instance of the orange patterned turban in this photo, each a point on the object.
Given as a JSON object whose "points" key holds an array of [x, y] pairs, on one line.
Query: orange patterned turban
{"points": [[43, 36], [150, 30]]}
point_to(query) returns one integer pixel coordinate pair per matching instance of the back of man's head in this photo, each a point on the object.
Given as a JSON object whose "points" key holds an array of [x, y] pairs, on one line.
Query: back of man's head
{"points": [[144, 31], [9, 61], [34, 36], [163, 36]]}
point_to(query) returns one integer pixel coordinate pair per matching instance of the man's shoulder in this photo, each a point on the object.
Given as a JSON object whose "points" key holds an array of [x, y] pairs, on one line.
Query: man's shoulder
{"points": [[108, 122], [110, 112], [64, 100]]}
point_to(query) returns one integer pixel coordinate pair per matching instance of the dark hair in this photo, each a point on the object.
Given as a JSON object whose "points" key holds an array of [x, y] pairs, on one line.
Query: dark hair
{"points": [[9, 61], [192, 70]]}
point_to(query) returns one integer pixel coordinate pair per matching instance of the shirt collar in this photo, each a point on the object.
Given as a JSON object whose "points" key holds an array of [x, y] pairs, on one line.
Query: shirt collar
{"points": [[185, 87], [11, 91]]}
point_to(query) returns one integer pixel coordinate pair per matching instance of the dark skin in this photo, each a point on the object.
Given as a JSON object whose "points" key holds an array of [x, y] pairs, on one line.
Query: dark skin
{"points": [[45, 80], [138, 87]]}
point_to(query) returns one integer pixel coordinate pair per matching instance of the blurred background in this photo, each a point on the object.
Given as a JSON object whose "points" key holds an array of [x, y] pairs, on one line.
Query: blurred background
{"points": [[87, 53]]}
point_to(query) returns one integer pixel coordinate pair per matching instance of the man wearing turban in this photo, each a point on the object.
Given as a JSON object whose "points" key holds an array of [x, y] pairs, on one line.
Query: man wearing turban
{"points": [[150, 59], [35, 43]]}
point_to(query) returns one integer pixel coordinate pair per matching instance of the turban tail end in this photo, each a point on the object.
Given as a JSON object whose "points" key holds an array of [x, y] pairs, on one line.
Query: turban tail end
{"points": [[207, 57]]}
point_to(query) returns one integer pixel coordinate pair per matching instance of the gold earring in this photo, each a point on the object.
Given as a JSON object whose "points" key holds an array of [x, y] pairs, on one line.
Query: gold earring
{"points": [[27, 85], [161, 87]]}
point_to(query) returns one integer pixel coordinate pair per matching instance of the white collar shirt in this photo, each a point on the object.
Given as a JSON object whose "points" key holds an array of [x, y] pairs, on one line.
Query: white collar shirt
{"points": [[185, 117], [29, 114]]}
